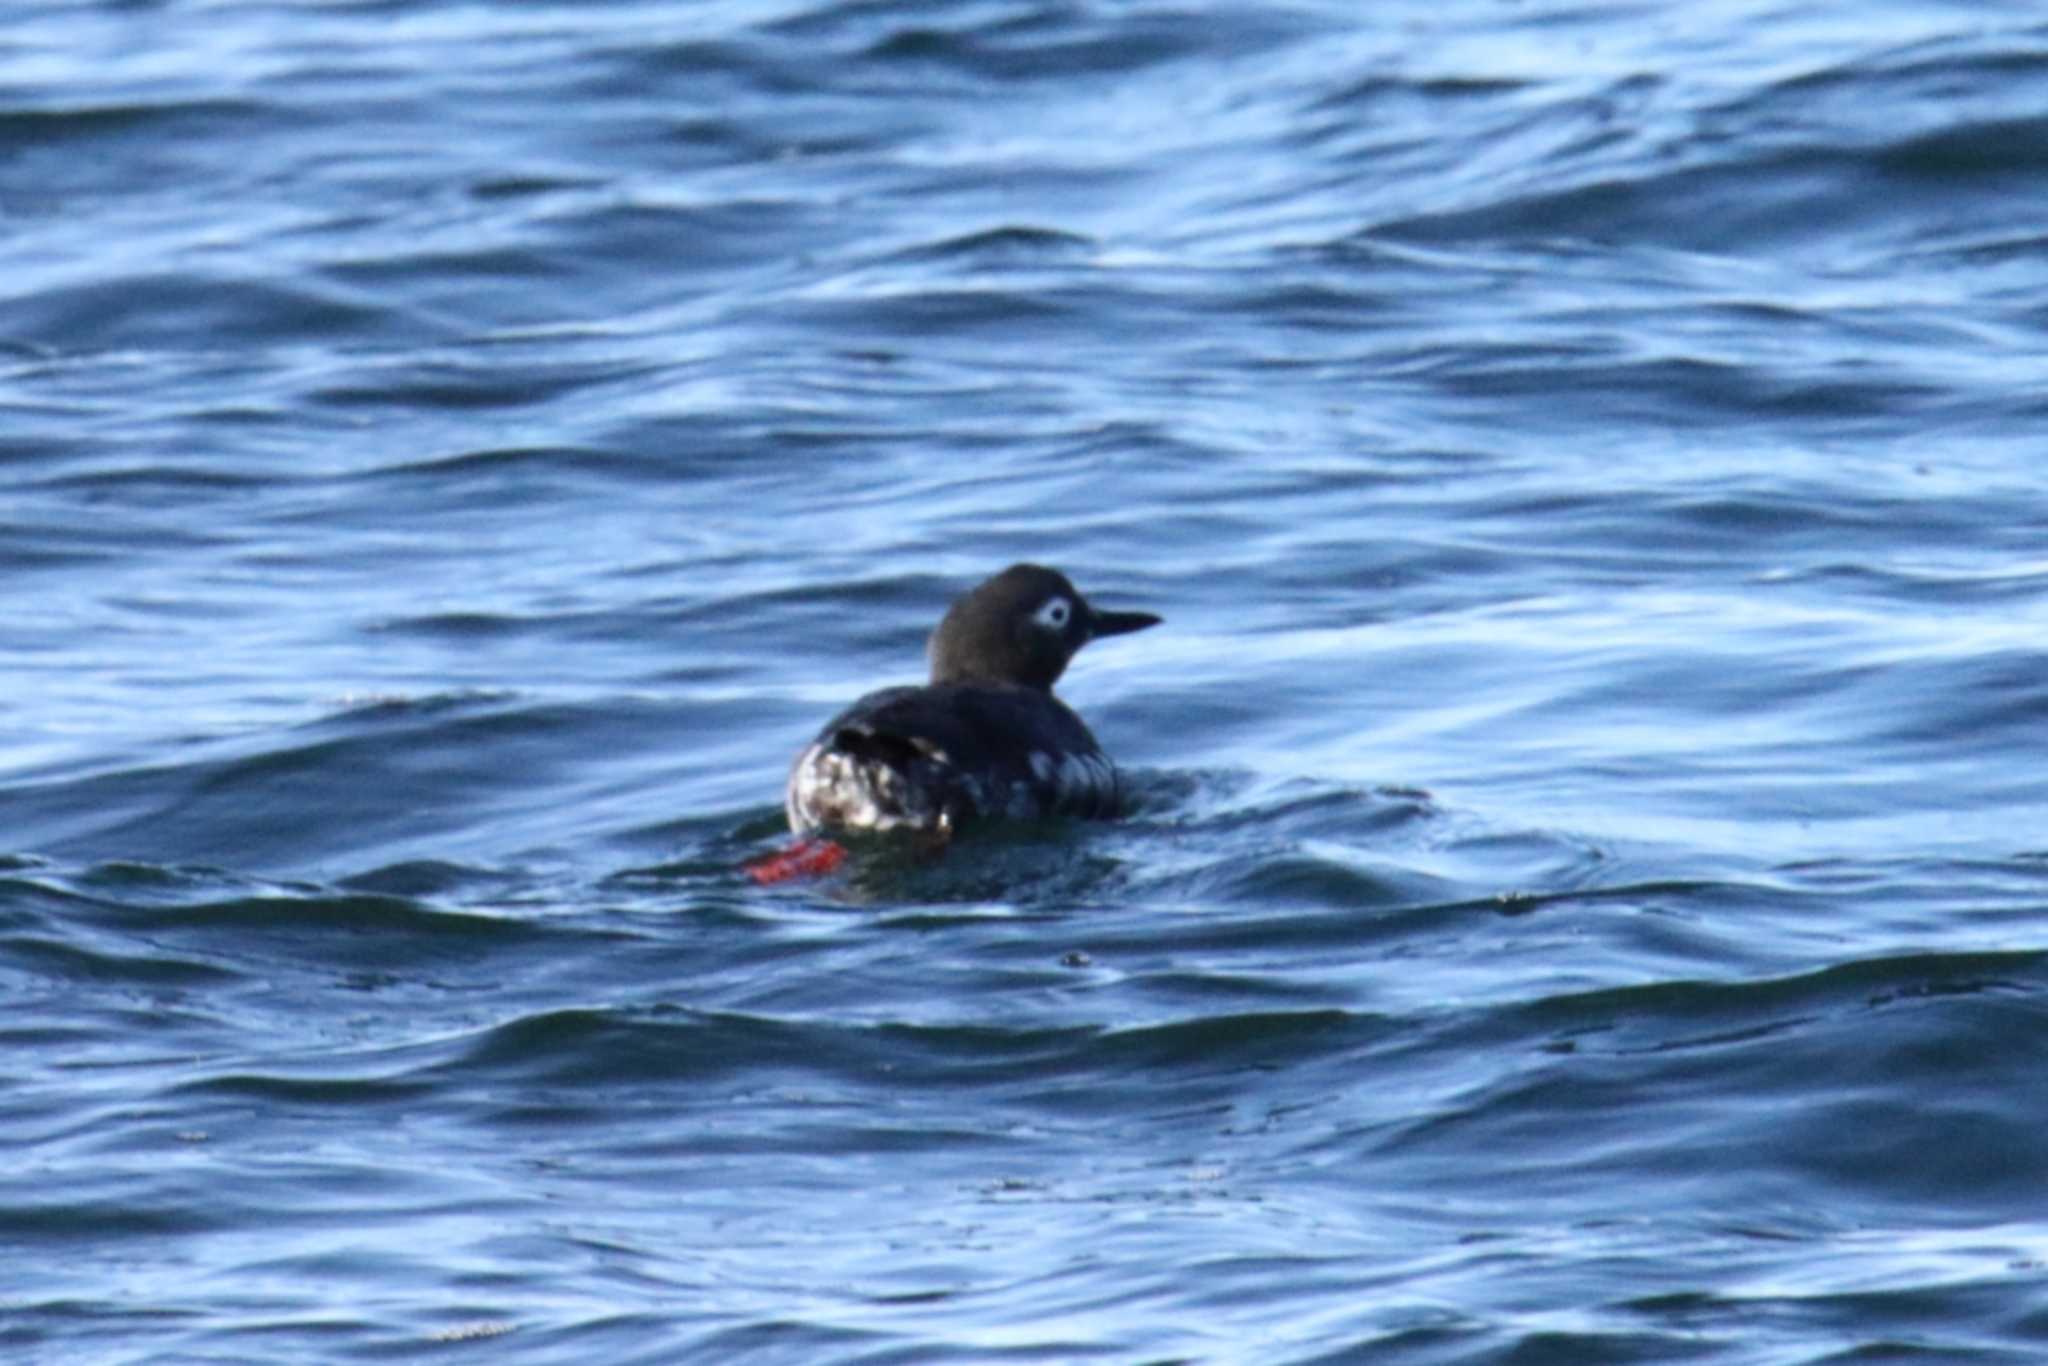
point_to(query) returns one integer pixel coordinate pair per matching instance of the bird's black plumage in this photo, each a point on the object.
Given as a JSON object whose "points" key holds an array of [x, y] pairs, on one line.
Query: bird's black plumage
{"points": [[985, 738]]}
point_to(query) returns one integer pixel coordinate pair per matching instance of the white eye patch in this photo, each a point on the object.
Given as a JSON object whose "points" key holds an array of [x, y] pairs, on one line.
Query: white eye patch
{"points": [[1054, 614]]}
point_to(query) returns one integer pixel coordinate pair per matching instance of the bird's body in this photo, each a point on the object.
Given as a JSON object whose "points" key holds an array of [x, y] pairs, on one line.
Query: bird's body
{"points": [[985, 739]]}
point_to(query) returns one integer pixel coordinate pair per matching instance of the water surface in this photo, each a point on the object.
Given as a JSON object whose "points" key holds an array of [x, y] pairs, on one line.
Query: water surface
{"points": [[1583, 898]]}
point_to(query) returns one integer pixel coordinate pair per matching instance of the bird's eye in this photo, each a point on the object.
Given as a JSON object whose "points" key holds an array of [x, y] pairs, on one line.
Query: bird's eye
{"points": [[1055, 615]]}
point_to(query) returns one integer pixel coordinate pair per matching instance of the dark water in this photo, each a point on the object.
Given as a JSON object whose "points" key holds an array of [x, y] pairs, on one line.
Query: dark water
{"points": [[1587, 896]]}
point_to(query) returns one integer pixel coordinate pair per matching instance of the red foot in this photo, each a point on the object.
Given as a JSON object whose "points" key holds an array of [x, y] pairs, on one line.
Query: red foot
{"points": [[804, 858]]}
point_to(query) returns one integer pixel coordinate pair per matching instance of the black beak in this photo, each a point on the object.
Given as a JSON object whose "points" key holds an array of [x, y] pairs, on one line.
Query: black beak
{"points": [[1119, 623]]}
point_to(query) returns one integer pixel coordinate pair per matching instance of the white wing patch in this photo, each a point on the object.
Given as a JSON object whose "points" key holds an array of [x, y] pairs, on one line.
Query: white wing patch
{"points": [[1081, 783], [1087, 779], [828, 788]]}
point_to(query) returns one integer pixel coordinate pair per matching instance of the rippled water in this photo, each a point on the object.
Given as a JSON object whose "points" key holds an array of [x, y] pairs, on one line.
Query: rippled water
{"points": [[1584, 898]]}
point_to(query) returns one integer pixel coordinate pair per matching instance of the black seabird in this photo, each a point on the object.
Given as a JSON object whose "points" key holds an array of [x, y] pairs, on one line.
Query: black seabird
{"points": [[985, 739]]}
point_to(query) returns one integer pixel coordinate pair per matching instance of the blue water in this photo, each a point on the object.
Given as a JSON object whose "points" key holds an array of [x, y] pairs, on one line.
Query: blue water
{"points": [[1587, 899]]}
